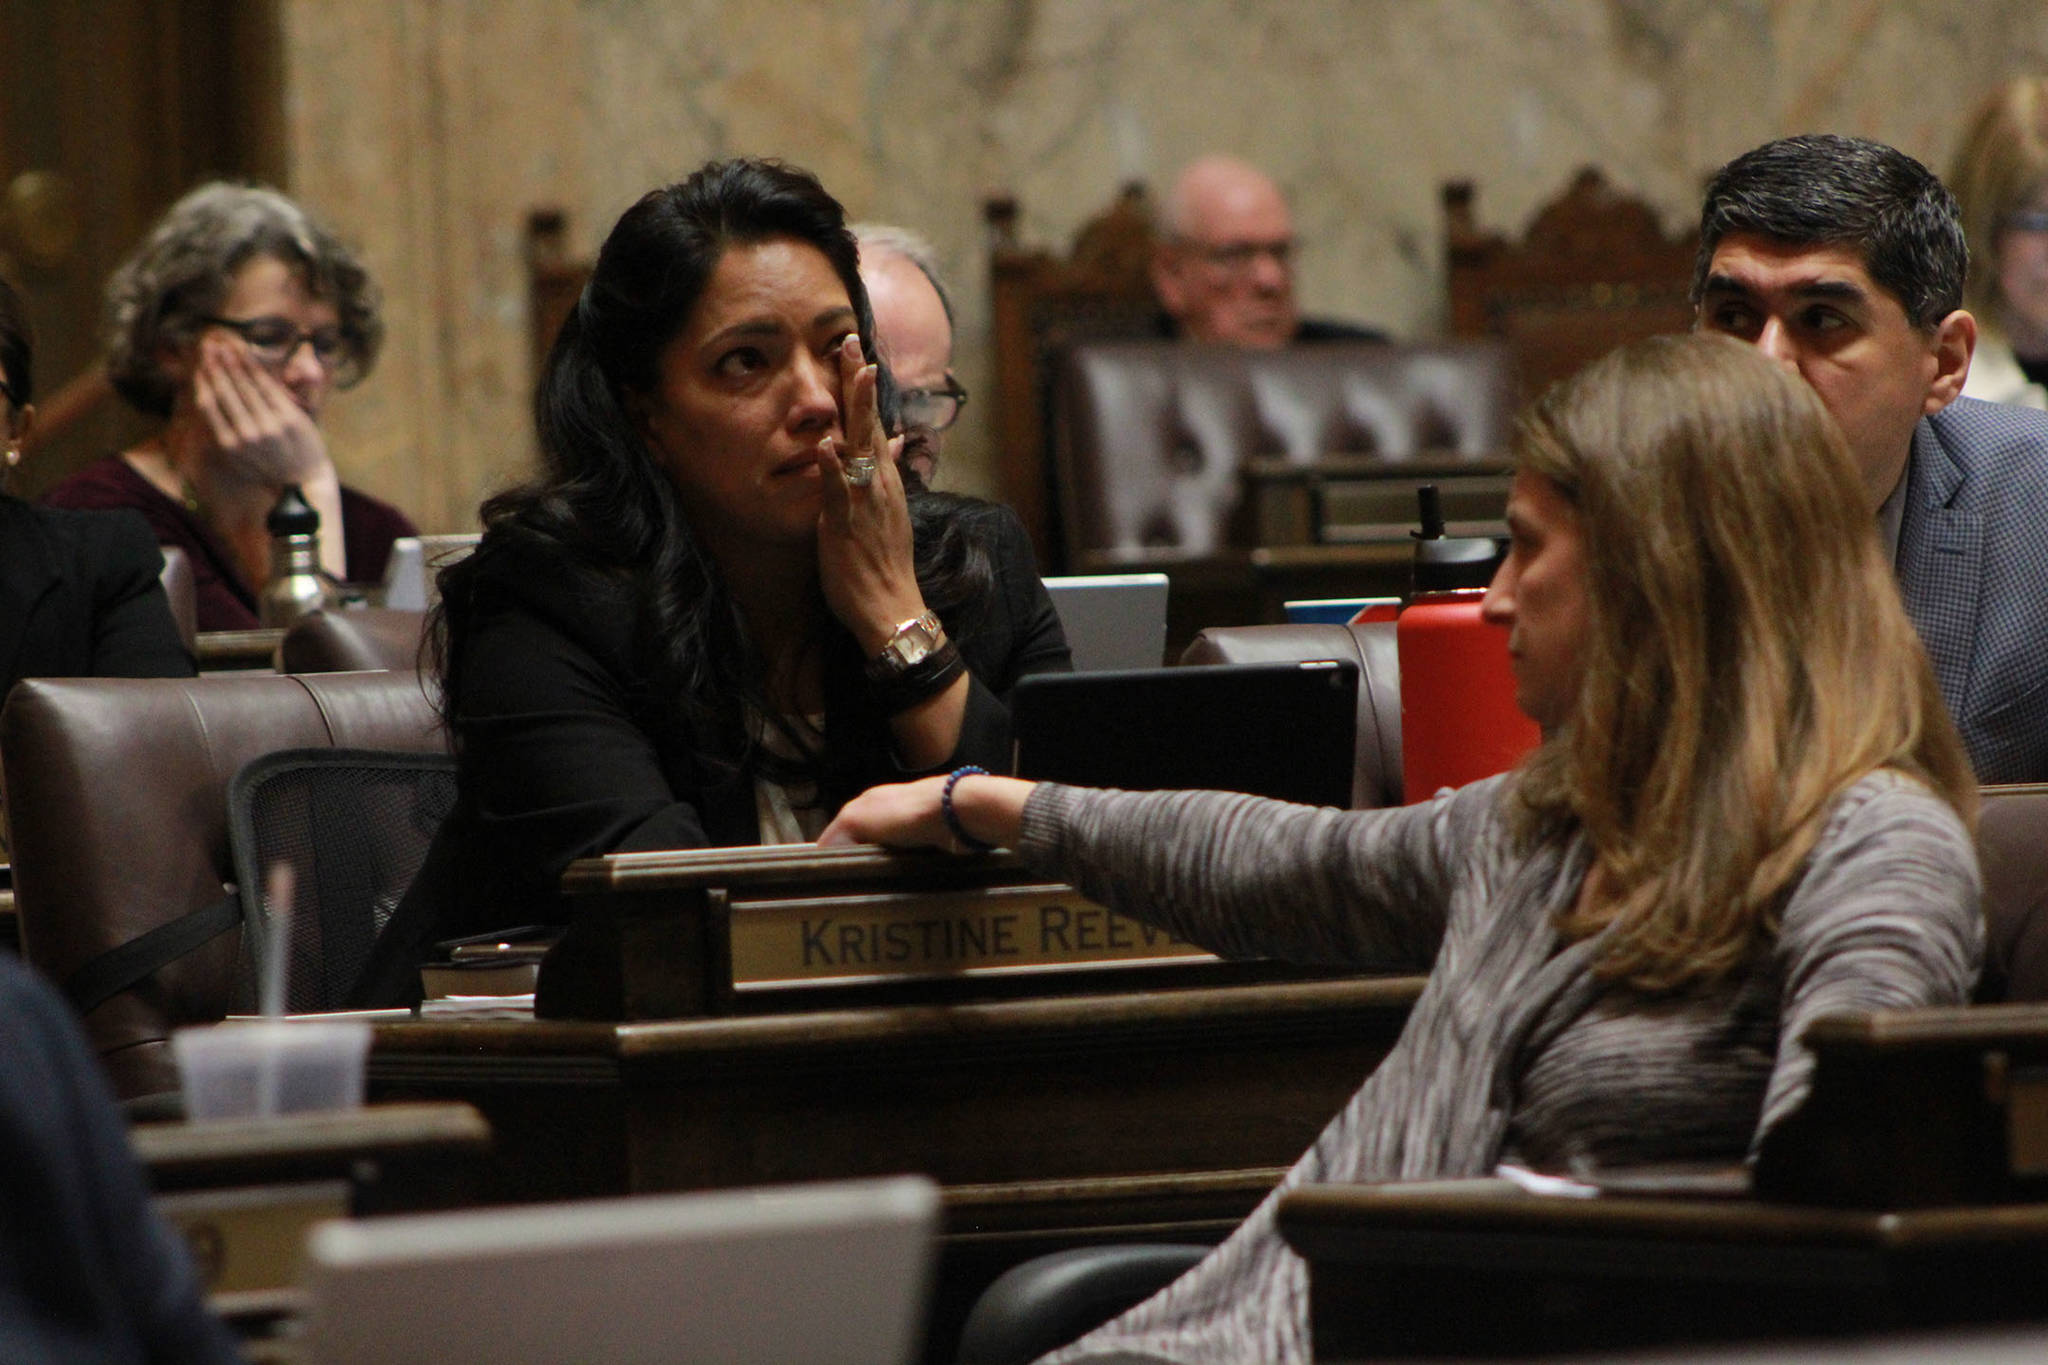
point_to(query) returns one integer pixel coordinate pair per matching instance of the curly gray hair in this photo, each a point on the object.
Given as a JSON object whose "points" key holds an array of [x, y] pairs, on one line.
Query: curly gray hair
{"points": [[160, 297]]}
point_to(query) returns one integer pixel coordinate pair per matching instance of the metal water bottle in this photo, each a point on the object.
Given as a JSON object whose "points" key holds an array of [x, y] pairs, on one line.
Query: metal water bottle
{"points": [[1459, 721], [296, 586]]}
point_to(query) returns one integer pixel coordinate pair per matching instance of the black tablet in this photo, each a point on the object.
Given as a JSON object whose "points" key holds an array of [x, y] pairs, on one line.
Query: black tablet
{"points": [[1285, 730]]}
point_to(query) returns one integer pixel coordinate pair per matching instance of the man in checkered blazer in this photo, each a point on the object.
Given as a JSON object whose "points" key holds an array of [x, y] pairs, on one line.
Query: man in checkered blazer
{"points": [[1844, 259]]}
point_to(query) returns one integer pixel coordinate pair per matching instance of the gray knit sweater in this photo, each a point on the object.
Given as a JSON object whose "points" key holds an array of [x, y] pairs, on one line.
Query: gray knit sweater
{"points": [[1514, 1049]]}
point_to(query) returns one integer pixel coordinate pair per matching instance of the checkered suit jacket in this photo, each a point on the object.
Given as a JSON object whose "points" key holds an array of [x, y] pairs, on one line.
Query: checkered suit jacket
{"points": [[1973, 569]]}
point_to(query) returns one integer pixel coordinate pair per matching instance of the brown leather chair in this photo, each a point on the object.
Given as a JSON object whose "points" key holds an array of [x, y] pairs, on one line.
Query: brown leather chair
{"points": [[1254, 477], [1154, 438], [1042, 302], [353, 641], [1376, 780], [117, 792], [2012, 846], [183, 593]]}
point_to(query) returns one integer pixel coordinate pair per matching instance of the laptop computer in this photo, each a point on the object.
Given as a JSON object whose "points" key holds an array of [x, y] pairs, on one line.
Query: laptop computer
{"points": [[804, 1273], [1115, 620], [1285, 730]]}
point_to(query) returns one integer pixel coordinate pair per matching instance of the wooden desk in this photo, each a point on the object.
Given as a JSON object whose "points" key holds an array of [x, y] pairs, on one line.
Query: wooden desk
{"points": [[1474, 1267], [1918, 1108], [1160, 1115], [1056, 1104], [1067, 1089], [244, 1192]]}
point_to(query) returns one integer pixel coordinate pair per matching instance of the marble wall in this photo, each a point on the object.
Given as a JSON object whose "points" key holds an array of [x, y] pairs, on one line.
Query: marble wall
{"points": [[426, 129]]}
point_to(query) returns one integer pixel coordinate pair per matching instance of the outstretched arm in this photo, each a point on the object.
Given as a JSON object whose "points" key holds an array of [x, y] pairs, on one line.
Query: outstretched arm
{"points": [[1239, 874]]}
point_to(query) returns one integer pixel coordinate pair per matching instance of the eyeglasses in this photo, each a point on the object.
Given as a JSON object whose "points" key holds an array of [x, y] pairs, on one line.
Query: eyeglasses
{"points": [[275, 341], [2027, 220], [934, 408], [1238, 257]]}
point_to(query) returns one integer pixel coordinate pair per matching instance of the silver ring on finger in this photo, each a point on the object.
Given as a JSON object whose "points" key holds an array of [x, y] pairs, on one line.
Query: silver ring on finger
{"points": [[860, 473]]}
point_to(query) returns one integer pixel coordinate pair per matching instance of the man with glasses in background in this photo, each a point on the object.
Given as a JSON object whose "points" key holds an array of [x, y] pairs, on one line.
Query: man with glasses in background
{"points": [[914, 333], [1224, 264]]}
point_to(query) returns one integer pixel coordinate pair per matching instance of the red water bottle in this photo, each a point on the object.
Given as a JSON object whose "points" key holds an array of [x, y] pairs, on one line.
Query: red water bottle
{"points": [[1459, 721]]}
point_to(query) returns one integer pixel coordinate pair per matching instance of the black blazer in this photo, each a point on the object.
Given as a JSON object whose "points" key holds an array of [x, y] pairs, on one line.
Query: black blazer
{"points": [[81, 596], [564, 753]]}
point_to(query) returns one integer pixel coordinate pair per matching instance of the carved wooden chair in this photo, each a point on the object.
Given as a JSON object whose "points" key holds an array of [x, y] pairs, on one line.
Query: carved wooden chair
{"points": [[1041, 305], [553, 280], [1594, 269]]}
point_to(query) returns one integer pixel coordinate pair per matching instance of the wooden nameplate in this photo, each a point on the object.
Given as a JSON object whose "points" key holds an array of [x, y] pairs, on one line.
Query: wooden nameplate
{"points": [[683, 934]]}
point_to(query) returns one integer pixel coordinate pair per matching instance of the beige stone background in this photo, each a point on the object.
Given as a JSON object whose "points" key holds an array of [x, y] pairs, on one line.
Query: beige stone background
{"points": [[427, 129]]}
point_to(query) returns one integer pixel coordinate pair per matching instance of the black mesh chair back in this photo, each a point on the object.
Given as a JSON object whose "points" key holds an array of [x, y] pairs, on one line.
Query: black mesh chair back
{"points": [[354, 826]]}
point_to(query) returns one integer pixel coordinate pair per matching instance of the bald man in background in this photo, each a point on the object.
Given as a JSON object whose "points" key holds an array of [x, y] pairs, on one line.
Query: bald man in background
{"points": [[1224, 264], [913, 332]]}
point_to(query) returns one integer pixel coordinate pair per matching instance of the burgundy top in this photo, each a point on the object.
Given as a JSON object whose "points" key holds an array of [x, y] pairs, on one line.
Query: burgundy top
{"points": [[225, 600]]}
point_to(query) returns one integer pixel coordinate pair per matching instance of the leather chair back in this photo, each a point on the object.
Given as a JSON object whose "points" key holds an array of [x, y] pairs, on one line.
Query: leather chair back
{"points": [[2012, 846], [183, 593], [117, 792], [1376, 779], [1152, 436], [353, 641]]}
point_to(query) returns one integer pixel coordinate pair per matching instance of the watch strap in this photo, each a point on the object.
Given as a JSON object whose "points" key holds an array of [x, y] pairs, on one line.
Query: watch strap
{"points": [[889, 663], [926, 678]]}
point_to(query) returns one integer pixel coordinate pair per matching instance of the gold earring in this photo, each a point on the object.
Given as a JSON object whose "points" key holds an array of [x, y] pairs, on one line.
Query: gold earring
{"points": [[13, 454]]}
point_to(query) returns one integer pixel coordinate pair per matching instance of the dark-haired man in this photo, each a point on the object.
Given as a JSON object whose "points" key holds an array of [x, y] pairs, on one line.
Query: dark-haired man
{"points": [[1844, 259]]}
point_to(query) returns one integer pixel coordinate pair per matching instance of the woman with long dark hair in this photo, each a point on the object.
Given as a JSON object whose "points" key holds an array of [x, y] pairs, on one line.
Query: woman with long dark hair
{"points": [[1750, 808], [722, 609]]}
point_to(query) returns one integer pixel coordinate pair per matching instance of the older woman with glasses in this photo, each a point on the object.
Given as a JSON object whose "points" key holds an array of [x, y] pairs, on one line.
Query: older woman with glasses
{"points": [[2000, 179], [234, 322]]}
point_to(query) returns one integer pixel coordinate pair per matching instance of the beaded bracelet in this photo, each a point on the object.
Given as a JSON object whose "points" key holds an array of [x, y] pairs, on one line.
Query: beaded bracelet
{"points": [[967, 841]]}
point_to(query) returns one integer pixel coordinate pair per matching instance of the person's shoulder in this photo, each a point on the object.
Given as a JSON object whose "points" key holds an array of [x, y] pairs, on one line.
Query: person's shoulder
{"points": [[1888, 805], [1998, 455], [520, 582], [1992, 436], [106, 482], [362, 509], [992, 526], [87, 537]]}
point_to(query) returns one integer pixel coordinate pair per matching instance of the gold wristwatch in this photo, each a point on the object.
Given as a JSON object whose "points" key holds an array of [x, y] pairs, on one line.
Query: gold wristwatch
{"points": [[910, 644]]}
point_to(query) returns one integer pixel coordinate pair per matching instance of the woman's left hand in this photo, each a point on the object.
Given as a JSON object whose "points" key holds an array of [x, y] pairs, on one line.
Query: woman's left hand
{"points": [[864, 537]]}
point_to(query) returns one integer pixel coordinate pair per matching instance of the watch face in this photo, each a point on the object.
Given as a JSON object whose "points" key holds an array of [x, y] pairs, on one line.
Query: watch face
{"points": [[912, 645]]}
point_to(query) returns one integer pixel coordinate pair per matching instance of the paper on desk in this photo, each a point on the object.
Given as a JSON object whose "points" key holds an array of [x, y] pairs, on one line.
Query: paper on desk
{"points": [[1556, 1186]]}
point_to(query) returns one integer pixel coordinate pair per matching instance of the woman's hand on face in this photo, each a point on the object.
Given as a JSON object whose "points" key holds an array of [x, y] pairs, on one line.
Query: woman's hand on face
{"points": [[864, 541], [912, 814], [261, 433]]}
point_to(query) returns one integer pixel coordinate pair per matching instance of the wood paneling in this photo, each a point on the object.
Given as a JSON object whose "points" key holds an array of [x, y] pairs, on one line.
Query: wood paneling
{"points": [[119, 106]]}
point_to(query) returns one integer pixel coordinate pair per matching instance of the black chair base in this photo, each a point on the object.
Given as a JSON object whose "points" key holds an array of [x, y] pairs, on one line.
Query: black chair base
{"points": [[1045, 1303]]}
